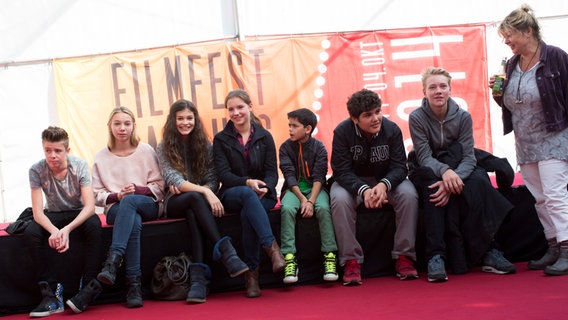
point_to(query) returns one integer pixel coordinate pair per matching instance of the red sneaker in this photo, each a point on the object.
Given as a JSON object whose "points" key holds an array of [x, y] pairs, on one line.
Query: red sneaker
{"points": [[405, 269], [352, 273]]}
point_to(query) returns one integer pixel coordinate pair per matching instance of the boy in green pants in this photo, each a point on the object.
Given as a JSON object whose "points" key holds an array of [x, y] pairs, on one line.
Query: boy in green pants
{"points": [[303, 162]]}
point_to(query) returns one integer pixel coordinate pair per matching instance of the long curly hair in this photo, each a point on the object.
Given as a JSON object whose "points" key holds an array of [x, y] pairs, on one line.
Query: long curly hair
{"points": [[197, 143]]}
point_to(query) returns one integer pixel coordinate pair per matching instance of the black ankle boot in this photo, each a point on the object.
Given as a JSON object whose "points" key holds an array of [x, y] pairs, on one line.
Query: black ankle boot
{"points": [[110, 267], [200, 275], [226, 253], [134, 295]]}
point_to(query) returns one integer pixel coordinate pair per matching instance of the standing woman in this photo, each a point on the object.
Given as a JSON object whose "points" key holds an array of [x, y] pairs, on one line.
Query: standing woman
{"points": [[535, 104], [128, 184], [186, 158], [245, 159]]}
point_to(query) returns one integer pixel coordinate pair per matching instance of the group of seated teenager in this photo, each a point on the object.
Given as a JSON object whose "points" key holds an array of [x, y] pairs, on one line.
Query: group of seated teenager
{"points": [[190, 177]]}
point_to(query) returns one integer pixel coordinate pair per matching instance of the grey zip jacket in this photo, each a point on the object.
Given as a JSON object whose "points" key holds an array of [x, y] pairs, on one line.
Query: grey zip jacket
{"points": [[430, 135]]}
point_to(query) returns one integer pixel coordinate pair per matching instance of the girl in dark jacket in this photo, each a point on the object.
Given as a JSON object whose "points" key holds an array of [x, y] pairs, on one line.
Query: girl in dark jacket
{"points": [[245, 160]]}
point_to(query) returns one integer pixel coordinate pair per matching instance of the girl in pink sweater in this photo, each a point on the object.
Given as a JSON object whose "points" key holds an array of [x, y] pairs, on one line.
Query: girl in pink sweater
{"points": [[127, 182]]}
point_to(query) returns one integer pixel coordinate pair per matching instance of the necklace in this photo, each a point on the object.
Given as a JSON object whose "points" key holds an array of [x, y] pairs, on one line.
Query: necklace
{"points": [[519, 101]]}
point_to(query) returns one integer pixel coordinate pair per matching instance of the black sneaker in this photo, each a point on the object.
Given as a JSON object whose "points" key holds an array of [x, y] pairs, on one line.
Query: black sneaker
{"points": [[85, 296], [437, 269], [51, 303], [495, 262]]}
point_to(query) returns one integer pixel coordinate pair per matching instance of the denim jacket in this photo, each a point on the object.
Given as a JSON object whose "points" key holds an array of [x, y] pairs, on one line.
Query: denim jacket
{"points": [[552, 83]]}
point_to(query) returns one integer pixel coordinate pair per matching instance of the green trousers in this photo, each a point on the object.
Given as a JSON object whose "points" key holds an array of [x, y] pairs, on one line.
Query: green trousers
{"points": [[290, 210]]}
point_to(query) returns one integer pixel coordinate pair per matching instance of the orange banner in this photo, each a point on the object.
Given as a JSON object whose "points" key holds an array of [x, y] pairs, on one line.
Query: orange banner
{"points": [[317, 72]]}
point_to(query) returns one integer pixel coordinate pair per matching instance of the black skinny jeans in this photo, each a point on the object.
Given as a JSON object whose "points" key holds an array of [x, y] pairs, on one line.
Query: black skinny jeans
{"points": [[196, 210], [440, 223], [36, 238]]}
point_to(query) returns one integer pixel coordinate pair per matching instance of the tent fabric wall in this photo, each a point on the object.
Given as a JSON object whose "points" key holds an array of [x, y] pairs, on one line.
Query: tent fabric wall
{"points": [[32, 32], [26, 107]]}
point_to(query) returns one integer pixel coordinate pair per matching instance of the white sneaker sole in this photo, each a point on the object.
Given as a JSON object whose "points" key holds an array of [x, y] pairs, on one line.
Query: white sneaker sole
{"points": [[290, 280], [444, 279], [330, 277], [491, 269], [73, 307], [45, 313]]}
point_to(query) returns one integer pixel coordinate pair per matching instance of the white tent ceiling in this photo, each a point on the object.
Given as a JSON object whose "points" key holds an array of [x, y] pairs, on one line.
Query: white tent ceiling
{"points": [[32, 32]]}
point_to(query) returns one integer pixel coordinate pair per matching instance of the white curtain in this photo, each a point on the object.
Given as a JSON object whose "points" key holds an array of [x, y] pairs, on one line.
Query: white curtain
{"points": [[26, 107]]}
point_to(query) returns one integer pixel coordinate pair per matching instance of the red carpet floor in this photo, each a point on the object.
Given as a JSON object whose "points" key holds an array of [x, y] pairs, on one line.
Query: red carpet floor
{"points": [[476, 295]]}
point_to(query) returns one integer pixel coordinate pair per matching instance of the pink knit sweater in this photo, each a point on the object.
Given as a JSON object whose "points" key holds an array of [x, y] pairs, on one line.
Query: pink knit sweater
{"points": [[111, 173]]}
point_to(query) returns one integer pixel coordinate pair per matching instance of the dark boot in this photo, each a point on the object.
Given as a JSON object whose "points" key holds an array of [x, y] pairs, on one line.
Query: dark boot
{"points": [[549, 258], [85, 296], [52, 301], [278, 262], [134, 295], [559, 268], [200, 275], [225, 252], [251, 283], [110, 267]]}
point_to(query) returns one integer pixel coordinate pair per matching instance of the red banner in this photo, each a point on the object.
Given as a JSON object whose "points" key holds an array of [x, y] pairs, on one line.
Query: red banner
{"points": [[390, 63]]}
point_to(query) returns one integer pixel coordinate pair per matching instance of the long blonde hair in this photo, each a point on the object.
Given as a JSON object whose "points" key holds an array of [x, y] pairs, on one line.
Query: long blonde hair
{"points": [[134, 138]]}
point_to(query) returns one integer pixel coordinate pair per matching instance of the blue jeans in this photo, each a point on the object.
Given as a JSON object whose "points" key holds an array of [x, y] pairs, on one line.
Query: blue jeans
{"points": [[254, 220], [127, 217]]}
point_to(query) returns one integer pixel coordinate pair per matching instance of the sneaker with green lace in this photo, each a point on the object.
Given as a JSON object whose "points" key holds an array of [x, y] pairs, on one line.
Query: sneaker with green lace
{"points": [[330, 267], [291, 269]]}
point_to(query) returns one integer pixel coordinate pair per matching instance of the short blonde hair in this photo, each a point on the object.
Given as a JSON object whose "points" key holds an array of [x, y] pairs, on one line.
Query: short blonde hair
{"points": [[433, 71]]}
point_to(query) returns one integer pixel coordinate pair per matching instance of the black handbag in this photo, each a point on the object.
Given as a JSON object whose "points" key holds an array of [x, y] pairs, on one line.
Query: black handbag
{"points": [[170, 280]]}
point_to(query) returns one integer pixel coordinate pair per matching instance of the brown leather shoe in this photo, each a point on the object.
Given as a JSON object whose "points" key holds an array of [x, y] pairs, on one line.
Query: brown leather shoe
{"points": [[251, 283], [276, 257]]}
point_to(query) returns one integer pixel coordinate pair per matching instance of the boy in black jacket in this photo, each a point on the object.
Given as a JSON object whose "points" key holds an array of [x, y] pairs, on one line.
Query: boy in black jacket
{"points": [[369, 166], [303, 162]]}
